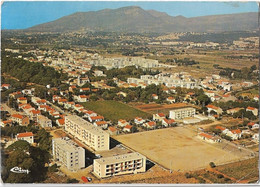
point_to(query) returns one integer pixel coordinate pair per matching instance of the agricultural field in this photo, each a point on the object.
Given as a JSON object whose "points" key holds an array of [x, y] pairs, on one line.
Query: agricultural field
{"points": [[243, 170], [114, 110], [178, 148]]}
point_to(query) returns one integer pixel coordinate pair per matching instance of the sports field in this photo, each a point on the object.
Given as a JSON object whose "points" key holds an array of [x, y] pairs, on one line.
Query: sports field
{"points": [[177, 148], [114, 110]]}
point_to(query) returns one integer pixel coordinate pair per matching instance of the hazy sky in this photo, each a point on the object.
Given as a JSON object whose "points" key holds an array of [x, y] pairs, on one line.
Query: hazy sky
{"points": [[20, 15]]}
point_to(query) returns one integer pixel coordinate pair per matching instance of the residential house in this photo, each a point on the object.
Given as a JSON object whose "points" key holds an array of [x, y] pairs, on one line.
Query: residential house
{"points": [[20, 119], [155, 96], [255, 138], [60, 122], [112, 131], [26, 136], [216, 109], [102, 124], [16, 95], [33, 114], [234, 134], [158, 116], [253, 125], [95, 118], [170, 99], [5, 86], [253, 110], [139, 121], [168, 122], [89, 113], [44, 121], [84, 89], [22, 100], [77, 107], [209, 138], [127, 128], [122, 123], [81, 98], [6, 122], [150, 125]]}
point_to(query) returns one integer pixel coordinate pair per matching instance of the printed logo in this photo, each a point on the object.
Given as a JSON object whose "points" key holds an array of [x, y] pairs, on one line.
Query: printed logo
{"points": [[19, 170]]}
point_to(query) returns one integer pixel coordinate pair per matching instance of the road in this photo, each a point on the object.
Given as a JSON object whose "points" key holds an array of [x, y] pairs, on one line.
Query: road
{"points": [[10, 110]]}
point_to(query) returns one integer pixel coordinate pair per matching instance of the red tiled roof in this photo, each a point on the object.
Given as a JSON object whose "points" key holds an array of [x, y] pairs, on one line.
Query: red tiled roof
{"points": [[4, 85], [237, 131], [151, 123], [220, 128], [25, 134], [161, 114], [78, 105], [128, 127], [7, 121], [250, 108], [22, 98], [101, 123], [250, 123], [169, 121], [36, 111], [212, 106], [61, 121], [206, 135], [17, 116], [112, 129], [96, 117]]}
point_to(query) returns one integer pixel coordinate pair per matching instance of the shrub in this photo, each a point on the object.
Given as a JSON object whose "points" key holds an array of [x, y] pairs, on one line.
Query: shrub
{"points": [[188, 175], [72, 180], [220, 176], [212, 164]]}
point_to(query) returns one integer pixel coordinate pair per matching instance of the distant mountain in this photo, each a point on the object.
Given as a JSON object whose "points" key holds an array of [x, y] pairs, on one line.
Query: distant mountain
{"points": [[135, 19]]}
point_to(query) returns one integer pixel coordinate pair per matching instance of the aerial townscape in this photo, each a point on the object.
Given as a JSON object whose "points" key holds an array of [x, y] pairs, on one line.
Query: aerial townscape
{"points": [[129, 95]]}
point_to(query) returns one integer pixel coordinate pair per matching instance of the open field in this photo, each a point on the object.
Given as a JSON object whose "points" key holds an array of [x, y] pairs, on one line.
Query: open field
{"points": [[114, 110], [177, 148]]}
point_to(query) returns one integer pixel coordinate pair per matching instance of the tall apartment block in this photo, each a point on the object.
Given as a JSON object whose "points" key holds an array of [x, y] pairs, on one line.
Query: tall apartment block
{"points": [[87, 133], [68, 153], [119, 165], [181, 113]]}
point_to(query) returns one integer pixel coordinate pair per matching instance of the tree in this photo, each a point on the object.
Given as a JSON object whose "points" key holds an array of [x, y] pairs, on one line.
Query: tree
{"points": [[212, 164]]}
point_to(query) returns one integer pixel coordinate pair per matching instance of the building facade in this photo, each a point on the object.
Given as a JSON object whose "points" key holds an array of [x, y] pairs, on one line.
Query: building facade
{"points": [[119, 165], [68, 153], [181, 113], [87, 133]]}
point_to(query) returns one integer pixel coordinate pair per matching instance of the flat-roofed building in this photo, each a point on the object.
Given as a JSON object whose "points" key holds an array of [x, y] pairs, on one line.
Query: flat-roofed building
{"points": [[87, 133], [68, 153], [181, 113], [119, 165], [44, 121]]}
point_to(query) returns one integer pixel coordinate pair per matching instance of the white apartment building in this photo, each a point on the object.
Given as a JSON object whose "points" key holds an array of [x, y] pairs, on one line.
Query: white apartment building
{"points": [[181, 113], [87, 133], [68, 153], [119, 165], [170, 80]]}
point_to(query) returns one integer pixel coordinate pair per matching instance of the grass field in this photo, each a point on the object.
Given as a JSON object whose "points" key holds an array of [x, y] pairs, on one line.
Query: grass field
{"points": [[243, 170], [177, 148], [114, 110]]}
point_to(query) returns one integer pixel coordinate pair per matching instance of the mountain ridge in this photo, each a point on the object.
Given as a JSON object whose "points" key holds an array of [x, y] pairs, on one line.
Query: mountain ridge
{"points": [[136, 19]]}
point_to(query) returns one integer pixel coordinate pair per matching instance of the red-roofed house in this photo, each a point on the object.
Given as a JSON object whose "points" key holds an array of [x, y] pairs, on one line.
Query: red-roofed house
{"points": [[218, 110], [20, 119], [112, 131], [122, 123], [170, 99], [84, 89], [77, 107], [16, 95], [102, 124], [81, 98], [155, 97], [89, 113], [96, 118], [208, 138], [158, 116], [168, 122], [26, 136], [7, 122], [234, 134], [6, 86], [62, 101], [150, 125], [253, 110], [253, 125], [127, 128], [33, 114], [139, 121], [22, 100], [60, 122]]}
